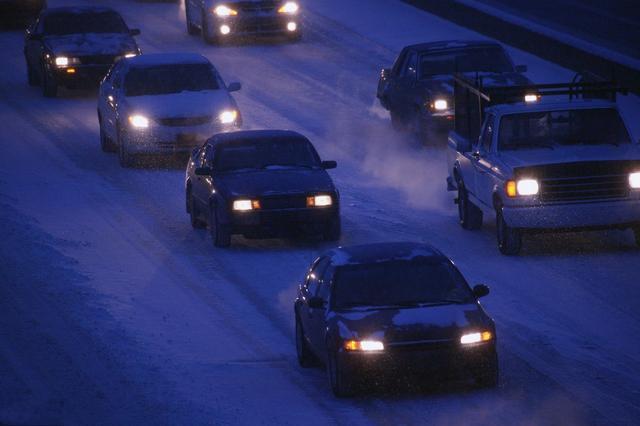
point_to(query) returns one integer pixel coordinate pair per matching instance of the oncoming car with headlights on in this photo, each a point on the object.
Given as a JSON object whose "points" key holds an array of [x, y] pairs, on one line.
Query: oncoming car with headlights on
{"points": [[75, 47], [163, 104], [218, 21], [390, 309], [261, 183]]}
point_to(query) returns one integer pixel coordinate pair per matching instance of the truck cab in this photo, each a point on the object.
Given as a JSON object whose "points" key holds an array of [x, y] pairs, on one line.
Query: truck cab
{"points": [[543, 165]]}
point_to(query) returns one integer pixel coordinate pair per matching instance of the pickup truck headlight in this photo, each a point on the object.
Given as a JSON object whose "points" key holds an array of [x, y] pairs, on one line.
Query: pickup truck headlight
{"points": [[224, 11], [319, 201], [531, 97], [139, 121], [634, 180], [440, 104], [228, 117], [65, 61], [289, 8], [246, 205], [523, 187], [364, 345], [477, 337]]}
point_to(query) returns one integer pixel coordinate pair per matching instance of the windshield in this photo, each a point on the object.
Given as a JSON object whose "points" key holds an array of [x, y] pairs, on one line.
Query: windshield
{"points": [[561, 128], [165, 79], [271, 153], [399, 283], [471, 60], [81, 23]]}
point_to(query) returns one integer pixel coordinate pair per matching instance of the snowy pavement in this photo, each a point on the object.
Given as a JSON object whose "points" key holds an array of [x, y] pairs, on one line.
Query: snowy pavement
{"points": [[115, 311]]}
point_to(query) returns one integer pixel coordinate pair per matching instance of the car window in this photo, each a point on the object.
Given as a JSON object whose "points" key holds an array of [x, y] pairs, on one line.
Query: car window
{"points": [[208, 156], [270, 153], [487, 134], [84, 23], [315, 275], [174, 78], [397, 65], [492, 59]]}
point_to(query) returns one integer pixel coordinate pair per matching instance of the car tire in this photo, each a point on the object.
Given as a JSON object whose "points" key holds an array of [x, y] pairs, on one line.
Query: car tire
{"points": [[509, 239], [32, 77], [105, 143], [125, 158], [340, 381], [196, 222], [333, 230], [489, 377], [206, 32], [49, 85], [303, 352], [219, 234], [469, 214], [191, 29]]}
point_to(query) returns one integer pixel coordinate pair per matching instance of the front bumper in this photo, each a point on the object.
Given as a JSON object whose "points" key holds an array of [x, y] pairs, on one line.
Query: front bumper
{"points": [[81, 75], [256, 24], [280, 222], [604, 214]]}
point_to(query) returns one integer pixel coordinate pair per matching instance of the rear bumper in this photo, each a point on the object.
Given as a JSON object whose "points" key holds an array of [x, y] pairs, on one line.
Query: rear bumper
{"points": [[280, 222], [609, 214]]}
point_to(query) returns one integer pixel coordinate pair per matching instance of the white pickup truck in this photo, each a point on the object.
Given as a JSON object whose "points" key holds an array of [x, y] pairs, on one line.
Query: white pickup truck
{"points": [[545, 164]]}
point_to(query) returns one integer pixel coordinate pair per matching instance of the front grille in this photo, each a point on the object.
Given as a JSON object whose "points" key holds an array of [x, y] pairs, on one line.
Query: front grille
{"points": [[284, 202], [422, 346], [258, 7], [97, 60], [186, 121]]}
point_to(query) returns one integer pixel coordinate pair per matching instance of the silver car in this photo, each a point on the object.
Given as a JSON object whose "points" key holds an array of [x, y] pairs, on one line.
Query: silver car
{"points": [[163, 104]]}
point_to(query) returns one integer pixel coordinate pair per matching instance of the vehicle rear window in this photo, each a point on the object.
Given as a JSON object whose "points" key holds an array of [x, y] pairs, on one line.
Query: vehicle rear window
{"points": [[82, 23], [550, 129], [266, 154], [471, 60], [399, 283], [165, 79]]}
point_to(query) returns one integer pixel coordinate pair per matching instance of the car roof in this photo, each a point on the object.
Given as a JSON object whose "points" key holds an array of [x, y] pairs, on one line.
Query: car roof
{"points": [[449, 45], [550, 105], [382, 252], [76, 10], [155, 59], [255, 135]]}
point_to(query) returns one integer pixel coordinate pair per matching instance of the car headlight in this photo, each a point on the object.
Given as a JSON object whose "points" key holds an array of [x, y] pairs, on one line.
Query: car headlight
{"points": [[364, 345], [246, 205], [319, 201], [65, 61], [228, 117], [634, 180], [224, 11], [139, 121], [289, 7], [529, 98], [524, 187], [131, 54], [440, 104], [477, 337]]}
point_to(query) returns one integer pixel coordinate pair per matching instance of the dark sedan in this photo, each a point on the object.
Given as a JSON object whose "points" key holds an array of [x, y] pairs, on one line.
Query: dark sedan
{"points": [[75, 47], [392, 308], [263, 183], [418, 89], [20, 9]]}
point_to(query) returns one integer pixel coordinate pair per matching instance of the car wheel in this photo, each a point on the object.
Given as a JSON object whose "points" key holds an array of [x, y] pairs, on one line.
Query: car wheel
{"points": [[470, 215], [489, 376], [105, 143], [333, 230], [339, 379], [304, 354], [196, 222], [206, 32], [191, 29], [32, 77], [124, 156], [219, 234], [49, 86], [509, 239]]}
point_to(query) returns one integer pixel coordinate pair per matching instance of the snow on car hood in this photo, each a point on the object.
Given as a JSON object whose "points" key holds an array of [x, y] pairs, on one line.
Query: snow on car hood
{"points": [[275, 182], [569, 154], [91, 44], [410, 324], [181, 105]]}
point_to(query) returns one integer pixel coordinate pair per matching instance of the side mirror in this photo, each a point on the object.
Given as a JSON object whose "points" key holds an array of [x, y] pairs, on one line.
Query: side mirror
{"points": [[316, 303], [234, 87], [521, 68], [203, 171], [134, 32], [480, 290], [329, 165]]}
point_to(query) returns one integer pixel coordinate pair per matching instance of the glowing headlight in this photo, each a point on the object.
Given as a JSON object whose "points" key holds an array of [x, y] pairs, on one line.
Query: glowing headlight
{"points": [[522, 187], [634, 180], [130, 55], [364, 345], [440, 105], [224, 11], [228, 117], [531, 98], [289, 7], [468, 339], [139, 121], [246, 205], [64, 61], [319, 201]]}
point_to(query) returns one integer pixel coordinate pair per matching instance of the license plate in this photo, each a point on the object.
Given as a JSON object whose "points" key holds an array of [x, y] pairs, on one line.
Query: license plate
{"points": [[187, 138]]}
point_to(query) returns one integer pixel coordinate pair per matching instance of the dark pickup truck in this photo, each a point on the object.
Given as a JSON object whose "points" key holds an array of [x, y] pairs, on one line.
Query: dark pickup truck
{"points": [[418, 89]]}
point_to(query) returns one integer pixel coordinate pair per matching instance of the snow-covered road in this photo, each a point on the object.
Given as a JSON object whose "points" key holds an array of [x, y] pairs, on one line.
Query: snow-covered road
{"points": [[113, 310]]}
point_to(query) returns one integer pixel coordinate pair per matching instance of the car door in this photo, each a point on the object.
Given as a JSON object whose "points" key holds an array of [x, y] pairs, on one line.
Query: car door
{"points": [[34, 47], [309, 316], [482, 162], [403, 81], [319, 317]]}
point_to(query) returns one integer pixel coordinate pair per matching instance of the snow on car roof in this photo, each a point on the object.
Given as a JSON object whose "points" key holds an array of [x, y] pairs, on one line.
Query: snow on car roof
{"points": [[551, 105], [452, 44], [381, 252], [154, 59]]}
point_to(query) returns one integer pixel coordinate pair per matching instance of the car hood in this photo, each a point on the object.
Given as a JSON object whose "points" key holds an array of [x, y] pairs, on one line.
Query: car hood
{"points": [[443, 85], [275, 182], [181, 105], [91, 44], [442, 322], [568, 154]]}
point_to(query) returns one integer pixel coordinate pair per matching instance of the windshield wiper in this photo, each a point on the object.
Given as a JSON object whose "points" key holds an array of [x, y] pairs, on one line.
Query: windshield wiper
{"points": [[529, 146], [306, 166]]}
